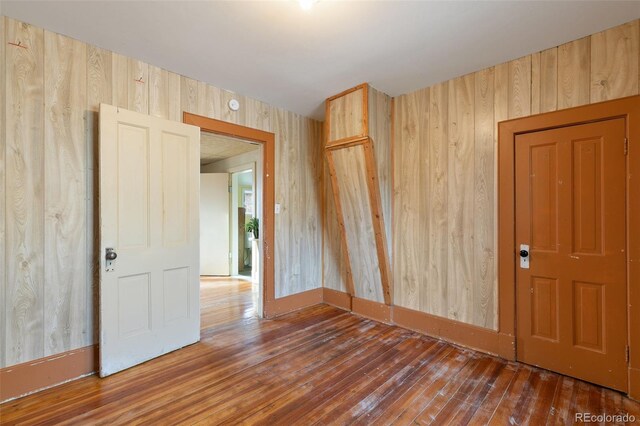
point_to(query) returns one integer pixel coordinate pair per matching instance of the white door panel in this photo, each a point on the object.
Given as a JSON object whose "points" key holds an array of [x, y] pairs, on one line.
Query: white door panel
{"points": [[149, 190], [214, 224]]}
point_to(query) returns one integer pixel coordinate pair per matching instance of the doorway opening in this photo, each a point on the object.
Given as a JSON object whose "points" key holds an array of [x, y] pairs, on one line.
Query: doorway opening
{"points": [[237, 206], [229, 214]]}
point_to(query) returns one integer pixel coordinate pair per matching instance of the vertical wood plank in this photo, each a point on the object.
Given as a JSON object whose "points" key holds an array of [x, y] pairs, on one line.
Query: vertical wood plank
{"points": [[158, 92], [380, 131], [174, 101], [65, 287], [120, 76], [544, 81], [574, 66], [485, 284], [23, 314], [535, 83], [520, 87], [99, 90], [138, 81], [614, 62], [460, 271], [438, 244], [411, 181], [255, 114], [334, 264], [208, 100], [189, 95], [3, 252]]}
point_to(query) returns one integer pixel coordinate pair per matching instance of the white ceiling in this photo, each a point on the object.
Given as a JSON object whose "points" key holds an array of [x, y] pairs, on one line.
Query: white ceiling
{"points": [[276, 52]]}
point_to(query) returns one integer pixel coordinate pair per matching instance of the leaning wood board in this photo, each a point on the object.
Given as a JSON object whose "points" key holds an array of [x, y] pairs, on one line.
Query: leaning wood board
{"points": [[351, 177]]}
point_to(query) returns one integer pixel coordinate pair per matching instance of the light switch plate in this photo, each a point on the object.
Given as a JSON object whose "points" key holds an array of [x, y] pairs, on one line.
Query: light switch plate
{"points": [[277, 208]]}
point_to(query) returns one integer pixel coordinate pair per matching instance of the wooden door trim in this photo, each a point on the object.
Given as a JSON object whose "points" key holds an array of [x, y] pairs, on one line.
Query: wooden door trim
{"points": [[268, 141], [627, 108]]}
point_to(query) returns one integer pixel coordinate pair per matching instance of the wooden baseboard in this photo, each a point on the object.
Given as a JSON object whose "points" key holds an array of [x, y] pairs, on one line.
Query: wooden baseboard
{"points": [[467, 335], [374, 310], [29, 377], [336, 298], [287, 304], [460, 333]]}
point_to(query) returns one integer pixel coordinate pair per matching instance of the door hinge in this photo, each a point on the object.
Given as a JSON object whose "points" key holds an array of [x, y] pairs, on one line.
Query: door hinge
{"points": [[626, 146], [627, 354]]}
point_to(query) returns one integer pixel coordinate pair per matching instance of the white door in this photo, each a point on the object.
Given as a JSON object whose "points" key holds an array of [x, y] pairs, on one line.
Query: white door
{"points": [[214, 224], [149, 295]]}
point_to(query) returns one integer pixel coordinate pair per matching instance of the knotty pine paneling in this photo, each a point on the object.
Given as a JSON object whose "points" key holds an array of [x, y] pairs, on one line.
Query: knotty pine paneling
{"points": [[454, 135], [411, 182], [483, 280], [99, 83], [347, 115], [351, 176], [460, 197], [49, 249], [544, 81], [65, 226], [334, 275], [574, 75], [379, 106], [3, 284], [614, 62], [24, 194], [437, 195]]}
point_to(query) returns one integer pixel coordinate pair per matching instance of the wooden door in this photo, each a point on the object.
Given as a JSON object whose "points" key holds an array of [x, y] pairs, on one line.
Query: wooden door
{"points": [[149, 183], [570, 211], [214, 224]]}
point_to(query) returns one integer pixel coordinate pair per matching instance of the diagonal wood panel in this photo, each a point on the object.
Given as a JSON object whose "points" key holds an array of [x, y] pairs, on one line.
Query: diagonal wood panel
{"points": [[355, 203]]}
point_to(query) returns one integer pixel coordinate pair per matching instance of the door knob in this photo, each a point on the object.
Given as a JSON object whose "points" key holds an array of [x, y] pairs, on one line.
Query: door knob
{"points": [[524, 253], [111, 255]]}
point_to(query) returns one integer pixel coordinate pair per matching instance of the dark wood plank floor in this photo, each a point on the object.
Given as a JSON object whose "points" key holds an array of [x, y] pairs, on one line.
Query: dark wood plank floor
{"points": [[317, 366]]}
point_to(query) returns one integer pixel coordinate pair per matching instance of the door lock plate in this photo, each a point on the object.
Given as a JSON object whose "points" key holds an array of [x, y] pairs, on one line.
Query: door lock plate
{"points": [[524, 256]]}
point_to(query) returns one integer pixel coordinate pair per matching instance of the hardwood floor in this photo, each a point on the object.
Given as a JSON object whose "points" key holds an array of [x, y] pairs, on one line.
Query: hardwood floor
{"points": [[316, 366]]}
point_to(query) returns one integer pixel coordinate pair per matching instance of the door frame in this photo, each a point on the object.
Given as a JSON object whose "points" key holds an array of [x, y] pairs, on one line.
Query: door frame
{"points": [[268, 142], [627, 108]]}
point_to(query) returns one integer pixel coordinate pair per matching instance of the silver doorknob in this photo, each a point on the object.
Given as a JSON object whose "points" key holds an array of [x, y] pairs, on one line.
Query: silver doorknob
{"points": [[111, 255]]}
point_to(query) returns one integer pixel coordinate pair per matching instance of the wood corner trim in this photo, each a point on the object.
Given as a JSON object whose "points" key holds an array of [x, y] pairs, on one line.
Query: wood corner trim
{"points": [[336, 298], [294, 302], [370, 309], [32, 376]]}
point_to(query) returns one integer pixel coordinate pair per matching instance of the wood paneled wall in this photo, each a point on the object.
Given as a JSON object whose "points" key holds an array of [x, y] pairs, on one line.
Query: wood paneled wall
{"points": [[444, 223], [53, 86]]}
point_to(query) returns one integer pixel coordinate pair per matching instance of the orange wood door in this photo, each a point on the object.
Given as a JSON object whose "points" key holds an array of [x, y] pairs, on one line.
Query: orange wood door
{"points": [[570, 211]]}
